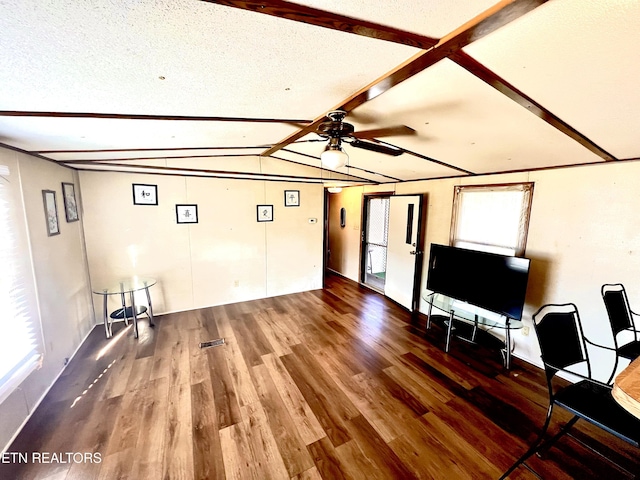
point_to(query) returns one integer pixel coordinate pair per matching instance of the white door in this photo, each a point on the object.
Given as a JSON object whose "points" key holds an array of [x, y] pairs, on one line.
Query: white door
{"points": [[404, 249]]}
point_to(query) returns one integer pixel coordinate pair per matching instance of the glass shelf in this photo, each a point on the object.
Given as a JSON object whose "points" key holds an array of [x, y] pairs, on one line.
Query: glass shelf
{"points": [[471, 323], [468, 313]]}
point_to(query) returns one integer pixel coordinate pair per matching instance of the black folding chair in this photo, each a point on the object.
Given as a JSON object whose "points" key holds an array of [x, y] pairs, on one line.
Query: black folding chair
{"points": [[563, 347]]}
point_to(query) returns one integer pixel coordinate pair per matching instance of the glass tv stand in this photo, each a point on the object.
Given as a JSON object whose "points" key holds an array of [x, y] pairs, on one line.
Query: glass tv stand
{"points": [[471, 324]]}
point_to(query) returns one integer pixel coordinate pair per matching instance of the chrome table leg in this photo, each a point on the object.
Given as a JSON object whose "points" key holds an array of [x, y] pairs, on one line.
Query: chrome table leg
{"points": [[134, 314], [107, 325], [151, 324]]}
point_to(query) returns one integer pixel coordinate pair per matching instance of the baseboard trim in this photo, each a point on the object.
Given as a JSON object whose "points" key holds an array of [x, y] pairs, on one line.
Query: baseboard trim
{"points": [[335, 272], [37, 404]]}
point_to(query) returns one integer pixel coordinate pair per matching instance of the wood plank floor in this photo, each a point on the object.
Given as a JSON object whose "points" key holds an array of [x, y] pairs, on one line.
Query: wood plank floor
{"points": [[334, 383]]}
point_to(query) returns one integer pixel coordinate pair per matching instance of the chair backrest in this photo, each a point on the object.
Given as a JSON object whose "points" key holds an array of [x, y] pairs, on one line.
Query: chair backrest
{"points": [[617, 305], [560, 337]]}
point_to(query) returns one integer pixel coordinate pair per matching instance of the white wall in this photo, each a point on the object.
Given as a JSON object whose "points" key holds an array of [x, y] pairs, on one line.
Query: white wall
{"points": [[59, 284], [344, 242], [226, 257], [583, 232]]}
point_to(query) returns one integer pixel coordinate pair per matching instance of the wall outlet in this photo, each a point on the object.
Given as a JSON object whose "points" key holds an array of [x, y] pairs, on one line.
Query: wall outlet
{"points": [[525, 330], [236, 283]]}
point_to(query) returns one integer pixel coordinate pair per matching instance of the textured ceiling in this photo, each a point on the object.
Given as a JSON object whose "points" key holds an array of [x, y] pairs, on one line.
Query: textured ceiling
{"points": [[558, 85]]}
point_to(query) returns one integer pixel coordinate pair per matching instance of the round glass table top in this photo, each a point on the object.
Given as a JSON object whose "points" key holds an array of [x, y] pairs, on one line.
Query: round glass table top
{"points": [[125, 285]]}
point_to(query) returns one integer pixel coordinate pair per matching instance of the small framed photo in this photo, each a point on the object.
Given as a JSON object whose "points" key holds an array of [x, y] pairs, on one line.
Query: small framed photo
{"points": [[70, 205], [265, 213], [145, 194], [187, 213], [292, 198], [51, 212]]}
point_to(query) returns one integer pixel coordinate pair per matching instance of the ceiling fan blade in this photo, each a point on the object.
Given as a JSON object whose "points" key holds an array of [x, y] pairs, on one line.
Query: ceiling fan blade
{"points": [[377, 147], [311, 140], [385, 132]]}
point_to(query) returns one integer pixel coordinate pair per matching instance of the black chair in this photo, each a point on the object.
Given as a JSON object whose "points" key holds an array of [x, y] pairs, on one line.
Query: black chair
{"points": [[563, 348], [622, 319]]}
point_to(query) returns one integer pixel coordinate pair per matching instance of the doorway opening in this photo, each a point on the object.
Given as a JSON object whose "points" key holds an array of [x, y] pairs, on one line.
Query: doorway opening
{"points": [[375, 242]]}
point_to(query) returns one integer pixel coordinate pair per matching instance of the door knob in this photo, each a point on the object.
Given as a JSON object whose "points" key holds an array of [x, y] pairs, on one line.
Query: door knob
{"points": [[412, 253]]}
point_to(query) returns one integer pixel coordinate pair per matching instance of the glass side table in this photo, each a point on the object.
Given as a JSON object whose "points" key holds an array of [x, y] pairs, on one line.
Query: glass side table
{"points": [[123, 287], [471, 323]]}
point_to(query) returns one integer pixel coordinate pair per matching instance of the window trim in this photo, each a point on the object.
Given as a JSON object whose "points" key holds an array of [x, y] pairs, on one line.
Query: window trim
{"points": [[525, 187]]}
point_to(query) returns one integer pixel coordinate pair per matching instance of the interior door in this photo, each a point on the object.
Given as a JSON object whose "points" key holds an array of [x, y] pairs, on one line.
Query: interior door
{"points": [[404, 250]]}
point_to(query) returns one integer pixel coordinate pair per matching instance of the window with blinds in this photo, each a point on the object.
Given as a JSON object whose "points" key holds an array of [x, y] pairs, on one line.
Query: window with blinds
{"points": [[20, 351], [492, 218]]}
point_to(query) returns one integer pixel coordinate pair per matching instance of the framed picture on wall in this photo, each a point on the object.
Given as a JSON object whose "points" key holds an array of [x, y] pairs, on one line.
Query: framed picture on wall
{"points": [[70, 205], [145, 194], [51, 212], [187, 213], [292, 198], [265, 213]]}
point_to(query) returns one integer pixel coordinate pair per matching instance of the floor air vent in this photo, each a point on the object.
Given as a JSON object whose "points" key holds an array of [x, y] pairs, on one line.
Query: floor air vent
{"points": [[213, 343]]}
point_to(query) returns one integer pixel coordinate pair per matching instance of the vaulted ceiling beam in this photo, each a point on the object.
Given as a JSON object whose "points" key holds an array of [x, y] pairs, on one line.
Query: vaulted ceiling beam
{"points": [[323, 18], [135, 116], [150, 149], [160, 170], [487, 22], [483, 73]]}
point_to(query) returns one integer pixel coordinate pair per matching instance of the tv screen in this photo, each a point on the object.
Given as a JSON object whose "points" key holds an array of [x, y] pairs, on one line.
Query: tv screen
{"points": [[488, 280]]}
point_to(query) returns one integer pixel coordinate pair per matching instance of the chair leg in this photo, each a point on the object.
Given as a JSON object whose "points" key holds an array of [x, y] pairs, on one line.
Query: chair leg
{"points": [[533, 471], [549, 443], [532, 449], [613, 372]]}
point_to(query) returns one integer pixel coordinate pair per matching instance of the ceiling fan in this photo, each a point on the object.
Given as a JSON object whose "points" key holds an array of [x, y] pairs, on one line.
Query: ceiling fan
{"points": [[337, 131]]}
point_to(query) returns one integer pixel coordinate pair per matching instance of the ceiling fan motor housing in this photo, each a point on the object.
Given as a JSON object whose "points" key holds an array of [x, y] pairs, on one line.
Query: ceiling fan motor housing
{"points": [[337, 131], [335, 127]]}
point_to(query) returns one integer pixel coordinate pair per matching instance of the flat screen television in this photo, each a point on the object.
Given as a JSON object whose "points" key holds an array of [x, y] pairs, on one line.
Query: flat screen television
{"points": [[487, 280]]}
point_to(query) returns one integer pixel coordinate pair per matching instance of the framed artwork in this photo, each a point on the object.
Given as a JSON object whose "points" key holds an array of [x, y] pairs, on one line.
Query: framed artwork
{"points": [[187, 213], [145, 194], [70, 205], [265, 213], [292, 198], [51, 212]]}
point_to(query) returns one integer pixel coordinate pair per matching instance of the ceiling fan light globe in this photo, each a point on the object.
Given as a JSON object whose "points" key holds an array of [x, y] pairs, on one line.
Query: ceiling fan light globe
{"points": [[334, 189], [334, 159]]}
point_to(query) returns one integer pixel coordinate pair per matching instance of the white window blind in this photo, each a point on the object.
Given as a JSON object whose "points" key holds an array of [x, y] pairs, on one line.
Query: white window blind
{"points": [[492, 218], [19, 334]]}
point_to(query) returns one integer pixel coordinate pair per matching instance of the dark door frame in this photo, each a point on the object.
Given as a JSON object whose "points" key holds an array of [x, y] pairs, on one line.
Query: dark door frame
{"points": [[325, 236], [363, 232], [420, 240]]}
